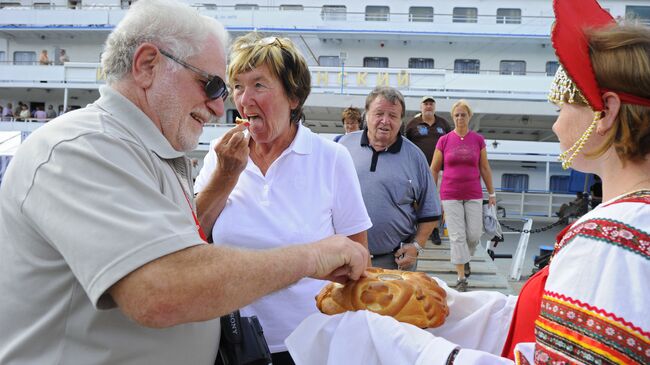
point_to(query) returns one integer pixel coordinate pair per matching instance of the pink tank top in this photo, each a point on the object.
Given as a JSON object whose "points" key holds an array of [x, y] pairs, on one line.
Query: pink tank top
{"points": [[461, 179]]}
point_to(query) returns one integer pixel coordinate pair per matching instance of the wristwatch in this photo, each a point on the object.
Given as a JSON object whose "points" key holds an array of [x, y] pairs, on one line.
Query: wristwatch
{"points": [[417, 246]]}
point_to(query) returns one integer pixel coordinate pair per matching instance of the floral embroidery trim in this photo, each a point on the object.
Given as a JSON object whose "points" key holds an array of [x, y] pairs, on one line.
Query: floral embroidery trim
{"points": [[565, 346], [595, 329], [607, 316], [610, 231], [547, 355]]}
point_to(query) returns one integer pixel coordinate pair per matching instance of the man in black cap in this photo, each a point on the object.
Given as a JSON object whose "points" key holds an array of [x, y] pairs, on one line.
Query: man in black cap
{"points": [[424, 130]]}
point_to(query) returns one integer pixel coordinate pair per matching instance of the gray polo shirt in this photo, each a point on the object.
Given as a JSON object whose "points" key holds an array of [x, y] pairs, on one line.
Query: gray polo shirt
{"points": [[87, 199], [393, 183]]}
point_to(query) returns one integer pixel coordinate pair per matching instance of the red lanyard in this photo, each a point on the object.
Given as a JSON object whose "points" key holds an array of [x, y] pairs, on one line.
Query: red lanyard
{"points": [[196, 220]]}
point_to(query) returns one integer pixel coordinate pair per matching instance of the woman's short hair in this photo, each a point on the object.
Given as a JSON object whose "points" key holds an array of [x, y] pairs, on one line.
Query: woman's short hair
{"points": [[170, 24], [620, 56], [282, 58], [389, 93], [461, 103], [351, 113]]}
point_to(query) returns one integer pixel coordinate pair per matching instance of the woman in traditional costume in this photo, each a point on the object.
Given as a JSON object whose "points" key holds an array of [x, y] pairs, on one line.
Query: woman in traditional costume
{"points": [[591, 304]]}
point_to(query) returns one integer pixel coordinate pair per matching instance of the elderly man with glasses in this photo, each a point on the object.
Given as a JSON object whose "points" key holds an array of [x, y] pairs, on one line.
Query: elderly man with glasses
{"points": [[103, 260]]}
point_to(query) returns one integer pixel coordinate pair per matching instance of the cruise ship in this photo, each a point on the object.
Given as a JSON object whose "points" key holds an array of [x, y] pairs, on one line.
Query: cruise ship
{"points": [[494, 53]]}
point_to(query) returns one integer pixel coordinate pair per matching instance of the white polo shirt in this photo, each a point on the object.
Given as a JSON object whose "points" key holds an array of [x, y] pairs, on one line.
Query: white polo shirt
{"points": [[310, 192]]}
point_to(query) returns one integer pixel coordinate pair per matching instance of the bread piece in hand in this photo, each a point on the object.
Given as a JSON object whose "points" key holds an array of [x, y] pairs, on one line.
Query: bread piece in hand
{"points": [[411, 297]]}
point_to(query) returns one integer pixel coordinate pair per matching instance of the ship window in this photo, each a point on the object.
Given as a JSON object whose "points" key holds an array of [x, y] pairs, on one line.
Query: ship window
{"points": [[465, 15], [9, 5], [206, 5], [42, 6], [24, 58], [246, 7], [559, 183], [420, 62], [329, 61], [512, 67], [421, 14], [375, 62], [333, 12], [508, 16], [377, 13], [3, 56], [514, 182], [467, 66], [291, 7], [551, 67], [640, 13]]}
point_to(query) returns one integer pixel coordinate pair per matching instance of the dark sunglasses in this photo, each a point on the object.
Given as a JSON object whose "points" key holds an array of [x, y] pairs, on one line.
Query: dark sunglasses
{"points": [[215, 87]]}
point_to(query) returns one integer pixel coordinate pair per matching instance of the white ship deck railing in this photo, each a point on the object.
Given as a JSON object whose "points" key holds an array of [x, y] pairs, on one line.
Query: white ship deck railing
{"points": [[325, 80], [532, 203], [534, 22], [273, 19]]}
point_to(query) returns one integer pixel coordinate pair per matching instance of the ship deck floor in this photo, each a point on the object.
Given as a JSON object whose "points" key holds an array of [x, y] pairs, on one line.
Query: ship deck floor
{"points": [[486, 273]]}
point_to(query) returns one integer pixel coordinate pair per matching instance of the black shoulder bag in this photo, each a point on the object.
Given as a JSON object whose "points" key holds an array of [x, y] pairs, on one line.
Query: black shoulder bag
{"points": [[242, 341]]}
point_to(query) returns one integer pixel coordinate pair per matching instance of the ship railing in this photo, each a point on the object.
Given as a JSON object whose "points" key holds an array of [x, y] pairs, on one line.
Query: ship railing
{"points": [[312, 17], [275, 17], [520, 253], [325, 80], [541, 204]]}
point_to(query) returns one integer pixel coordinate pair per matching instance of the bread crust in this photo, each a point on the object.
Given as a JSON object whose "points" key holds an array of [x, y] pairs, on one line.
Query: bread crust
{"points": [[411, 297]]}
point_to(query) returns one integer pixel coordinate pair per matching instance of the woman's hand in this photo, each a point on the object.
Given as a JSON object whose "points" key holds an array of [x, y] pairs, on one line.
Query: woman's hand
{"points": [[232, 151], [492, 200]]}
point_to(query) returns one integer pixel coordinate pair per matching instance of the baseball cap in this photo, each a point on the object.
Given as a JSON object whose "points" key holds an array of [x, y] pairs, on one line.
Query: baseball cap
{"points": [[425, 98]]}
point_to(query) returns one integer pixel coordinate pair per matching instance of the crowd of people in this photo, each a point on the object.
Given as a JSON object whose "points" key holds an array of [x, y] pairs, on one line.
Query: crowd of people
{"points": [[24, 112], [44, 58], [112, 254]]}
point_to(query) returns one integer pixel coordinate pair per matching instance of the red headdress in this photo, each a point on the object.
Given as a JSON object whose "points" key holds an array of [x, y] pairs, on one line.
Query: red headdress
{"points": [[572, 19]]}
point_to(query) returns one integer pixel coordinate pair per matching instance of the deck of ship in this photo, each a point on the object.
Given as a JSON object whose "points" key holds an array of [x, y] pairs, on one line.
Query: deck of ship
{"points": [[486, 273]]}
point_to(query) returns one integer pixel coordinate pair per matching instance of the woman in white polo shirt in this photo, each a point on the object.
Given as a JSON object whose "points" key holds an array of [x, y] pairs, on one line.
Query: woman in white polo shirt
{"points": [[281, 185]]}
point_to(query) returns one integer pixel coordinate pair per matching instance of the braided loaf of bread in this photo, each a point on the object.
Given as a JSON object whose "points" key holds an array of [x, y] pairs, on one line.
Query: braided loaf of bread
{"points": [[411, 297]]}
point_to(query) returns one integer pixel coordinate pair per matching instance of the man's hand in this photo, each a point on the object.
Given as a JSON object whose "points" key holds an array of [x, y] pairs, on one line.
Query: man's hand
{"points": [[232, 151], [406, 256], [338, 258]]}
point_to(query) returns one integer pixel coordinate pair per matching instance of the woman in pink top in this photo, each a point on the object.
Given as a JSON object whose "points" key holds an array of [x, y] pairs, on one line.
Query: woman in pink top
{"points": [[465, 159]]}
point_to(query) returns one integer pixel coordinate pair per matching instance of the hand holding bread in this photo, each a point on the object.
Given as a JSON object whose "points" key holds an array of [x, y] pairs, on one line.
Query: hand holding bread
{"points": [[232, 150]]}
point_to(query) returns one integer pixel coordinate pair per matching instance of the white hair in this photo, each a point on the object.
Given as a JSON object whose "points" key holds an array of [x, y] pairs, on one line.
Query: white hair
{"points": [[169, 24]]}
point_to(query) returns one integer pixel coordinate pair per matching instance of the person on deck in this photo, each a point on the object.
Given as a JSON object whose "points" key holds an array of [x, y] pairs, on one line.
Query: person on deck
{"points": [[590, 305], [281, 186], [103, 261]]}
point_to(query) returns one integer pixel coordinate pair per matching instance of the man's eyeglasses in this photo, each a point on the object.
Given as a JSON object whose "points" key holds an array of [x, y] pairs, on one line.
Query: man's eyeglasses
{"points": [[215, 87]]}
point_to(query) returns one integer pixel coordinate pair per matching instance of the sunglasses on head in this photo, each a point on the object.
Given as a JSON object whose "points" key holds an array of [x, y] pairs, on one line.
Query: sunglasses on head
{"points": [[214, 88], [267, 41]]}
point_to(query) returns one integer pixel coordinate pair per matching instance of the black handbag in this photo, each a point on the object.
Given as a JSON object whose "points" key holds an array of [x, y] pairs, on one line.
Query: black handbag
{"points": [[242, 341]]}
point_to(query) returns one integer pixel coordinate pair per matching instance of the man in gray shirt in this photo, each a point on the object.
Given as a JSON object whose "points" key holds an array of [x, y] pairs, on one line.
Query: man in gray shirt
{"points": [[396, 183], [103, 261]]}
